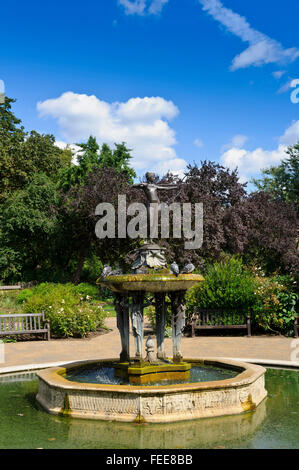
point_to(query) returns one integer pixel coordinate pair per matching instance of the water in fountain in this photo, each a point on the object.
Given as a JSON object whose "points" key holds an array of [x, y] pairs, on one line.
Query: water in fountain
{"points": [[105, 375]]}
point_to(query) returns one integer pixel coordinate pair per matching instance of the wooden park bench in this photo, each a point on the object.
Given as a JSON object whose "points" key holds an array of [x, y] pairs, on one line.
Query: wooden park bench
{"points": [[24, 323], [11, 287], [208, 319], [296, 327]]}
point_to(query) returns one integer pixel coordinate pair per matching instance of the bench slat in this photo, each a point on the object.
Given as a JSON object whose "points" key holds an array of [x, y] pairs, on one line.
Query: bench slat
{"points": [[216, 319], [24, 323], [14, 332], [24, 315], [202, 327]]}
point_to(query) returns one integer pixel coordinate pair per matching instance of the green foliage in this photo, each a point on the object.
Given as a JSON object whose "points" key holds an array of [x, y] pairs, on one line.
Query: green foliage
{"points": [[92, 268], [271, 301], [84, 289], [282, 181], [227, 284], [22, 156], [89, 157], [47, 216], [28, 227], [72, 310], [275, 305], [118, 159], [8, 302]]}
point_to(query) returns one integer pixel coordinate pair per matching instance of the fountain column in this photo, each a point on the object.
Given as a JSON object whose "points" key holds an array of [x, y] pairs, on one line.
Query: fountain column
{"points": [[161, 311], [178, 307], [137, 318], [122, 315]]}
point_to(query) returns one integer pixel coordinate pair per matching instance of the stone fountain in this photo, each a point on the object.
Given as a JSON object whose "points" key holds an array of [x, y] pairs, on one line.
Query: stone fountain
{"points": [[151, 276], [155, 388]]}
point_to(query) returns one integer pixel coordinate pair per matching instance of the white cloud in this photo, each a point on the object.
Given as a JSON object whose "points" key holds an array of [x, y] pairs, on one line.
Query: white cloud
{"points": [[140, 122], [141, 7], [176, 166], [198, 143], [278, 74], [146, 109], [262, 49], [237, 142], [156, 6], [286, 86], [291, 135], [250, 163], [133, 7]]}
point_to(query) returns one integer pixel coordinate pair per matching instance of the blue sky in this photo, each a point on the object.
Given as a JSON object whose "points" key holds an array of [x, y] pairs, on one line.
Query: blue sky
{"points": [[178, 80]]}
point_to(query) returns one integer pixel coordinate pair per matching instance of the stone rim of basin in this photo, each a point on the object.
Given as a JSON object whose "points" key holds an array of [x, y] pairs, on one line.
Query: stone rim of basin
{"points": [[151, 282], [248, 374]]}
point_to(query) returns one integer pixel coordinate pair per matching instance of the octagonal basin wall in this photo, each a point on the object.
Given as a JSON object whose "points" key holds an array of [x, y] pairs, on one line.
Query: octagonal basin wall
{"points": [[153, 404]]}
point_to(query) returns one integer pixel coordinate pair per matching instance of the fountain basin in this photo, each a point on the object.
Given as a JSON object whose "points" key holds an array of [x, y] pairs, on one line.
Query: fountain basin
{"points": [[151, 282], [153, 404]]}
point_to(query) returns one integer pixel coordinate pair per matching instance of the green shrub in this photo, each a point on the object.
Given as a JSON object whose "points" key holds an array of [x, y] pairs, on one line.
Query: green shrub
{"points": [[275, 305], [272, 301], [72, 310], [92, 269], [227, 284], [84, 289]]}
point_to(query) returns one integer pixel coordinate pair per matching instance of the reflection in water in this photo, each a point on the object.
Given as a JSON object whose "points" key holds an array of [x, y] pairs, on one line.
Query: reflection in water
{"points": [[184, 435], [18, 377]]}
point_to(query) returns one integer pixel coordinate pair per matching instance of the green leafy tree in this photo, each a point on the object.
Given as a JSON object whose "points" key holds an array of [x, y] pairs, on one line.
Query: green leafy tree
{"points": [[77, 174], [282, 181], [78, 220], [119, 159], [90, 157], [12, 136], [10, 127], [23, 155], [29, 231]]}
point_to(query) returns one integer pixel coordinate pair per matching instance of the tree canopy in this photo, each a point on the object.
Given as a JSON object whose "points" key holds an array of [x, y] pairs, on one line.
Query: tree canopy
{"points": [[282, 181], [23, 155], [48, 198]]}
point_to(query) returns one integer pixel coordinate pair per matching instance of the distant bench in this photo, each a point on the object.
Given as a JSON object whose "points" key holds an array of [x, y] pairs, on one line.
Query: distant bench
{"points": [[11, 287], [208, 319], [24, 323]]}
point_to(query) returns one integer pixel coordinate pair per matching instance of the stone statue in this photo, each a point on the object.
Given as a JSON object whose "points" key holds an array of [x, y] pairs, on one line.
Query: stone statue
{"points": [[150, 189], [122, 316], [150, 350], [149, 256], [136, 310], [161, 313], [178, 307]]}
